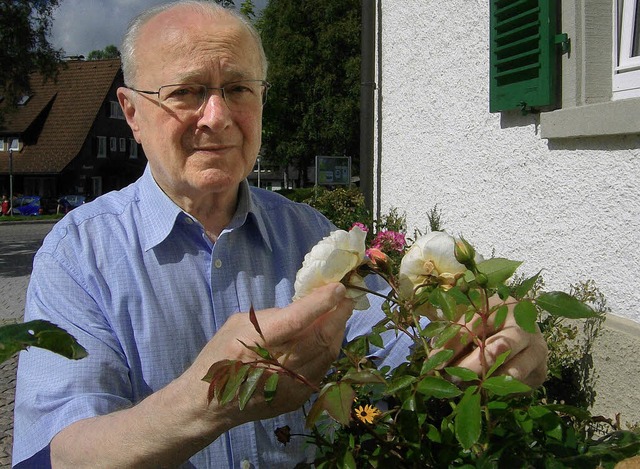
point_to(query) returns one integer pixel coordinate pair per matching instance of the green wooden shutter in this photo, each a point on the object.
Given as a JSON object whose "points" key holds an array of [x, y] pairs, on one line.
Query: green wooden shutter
{"points": [[523, 54]]}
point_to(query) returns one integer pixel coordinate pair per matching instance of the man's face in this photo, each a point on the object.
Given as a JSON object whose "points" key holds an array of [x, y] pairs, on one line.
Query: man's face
{"points": [[207, 152]]}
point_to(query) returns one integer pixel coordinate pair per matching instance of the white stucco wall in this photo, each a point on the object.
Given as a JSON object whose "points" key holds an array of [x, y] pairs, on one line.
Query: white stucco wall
{"points": [[570, 206]]}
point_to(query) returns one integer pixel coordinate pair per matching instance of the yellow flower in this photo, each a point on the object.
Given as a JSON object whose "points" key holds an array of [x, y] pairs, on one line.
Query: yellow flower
{"points": [[367, 413]]}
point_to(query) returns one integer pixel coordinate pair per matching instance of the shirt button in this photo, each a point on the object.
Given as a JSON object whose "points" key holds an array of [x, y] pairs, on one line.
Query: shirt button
{"points": [[218, 263], [188, 220]]}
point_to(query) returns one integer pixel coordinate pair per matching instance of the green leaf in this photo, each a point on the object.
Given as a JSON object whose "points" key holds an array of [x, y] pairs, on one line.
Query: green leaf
{"points": [[399, 383], [499, 361], [524, 288], [500, 317], [468, 419], [41, 334], [367, 376], [248, 388], [559, 303], [375, 339], [236, 378], [504, 385], [447, 334], [436, 360], [347, 461], [463, 373], [498, 270], [440, 388], [336, 399], [447, 303], [270, 387], [258, 350], [526, 314]]}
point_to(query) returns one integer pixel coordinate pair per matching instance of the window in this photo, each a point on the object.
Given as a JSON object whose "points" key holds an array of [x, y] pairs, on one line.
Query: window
{"points": [[2, 148], [123, 145], [22, 100], [96, 186], [115, 111], [102, 147], [593, 104], [113, 144], [15, 144], [133, 149], [626, 73]]}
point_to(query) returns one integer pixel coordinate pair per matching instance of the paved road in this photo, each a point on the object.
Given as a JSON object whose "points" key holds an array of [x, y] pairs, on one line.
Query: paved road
{"points": [[18, 243]]}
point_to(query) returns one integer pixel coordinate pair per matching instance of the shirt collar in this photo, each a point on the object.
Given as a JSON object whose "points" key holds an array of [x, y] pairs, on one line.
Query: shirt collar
{"points": [[160, 214]]}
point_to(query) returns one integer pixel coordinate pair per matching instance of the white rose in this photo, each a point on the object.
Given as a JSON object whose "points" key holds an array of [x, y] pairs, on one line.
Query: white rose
{"points": [[432, 256], [330, 261]]}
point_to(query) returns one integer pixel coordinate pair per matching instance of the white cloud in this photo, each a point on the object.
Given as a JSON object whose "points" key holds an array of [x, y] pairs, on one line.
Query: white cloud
{"points": [[80, 26]]}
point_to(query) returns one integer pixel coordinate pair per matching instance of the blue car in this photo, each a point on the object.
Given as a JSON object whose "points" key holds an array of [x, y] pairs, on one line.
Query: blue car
{"points": [[66, 203], [32, 205]]}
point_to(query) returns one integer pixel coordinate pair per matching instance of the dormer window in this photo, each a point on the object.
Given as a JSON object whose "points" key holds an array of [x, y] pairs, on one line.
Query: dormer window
{"points": [[23, 100]]}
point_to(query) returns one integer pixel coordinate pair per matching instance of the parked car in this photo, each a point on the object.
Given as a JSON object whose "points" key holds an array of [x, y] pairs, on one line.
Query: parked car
{"points": [[66, 203], [33, 205]]}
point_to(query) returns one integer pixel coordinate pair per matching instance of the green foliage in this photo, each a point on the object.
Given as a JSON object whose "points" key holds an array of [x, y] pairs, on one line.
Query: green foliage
{"points": [[343, 207], [24, 46], [313, 50], [42, 334], [109, 52], [430, 413]]}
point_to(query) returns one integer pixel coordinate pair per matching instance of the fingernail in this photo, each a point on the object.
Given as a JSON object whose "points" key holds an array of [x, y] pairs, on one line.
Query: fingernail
{"points": [[340, 291]]}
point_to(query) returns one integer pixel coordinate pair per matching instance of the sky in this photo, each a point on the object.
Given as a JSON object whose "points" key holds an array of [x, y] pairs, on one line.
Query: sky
{"points": [[80, 26]]}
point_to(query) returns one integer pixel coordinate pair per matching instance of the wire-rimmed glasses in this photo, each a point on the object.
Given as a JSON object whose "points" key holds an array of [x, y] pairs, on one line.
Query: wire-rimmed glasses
{"points": [[240, 96]]}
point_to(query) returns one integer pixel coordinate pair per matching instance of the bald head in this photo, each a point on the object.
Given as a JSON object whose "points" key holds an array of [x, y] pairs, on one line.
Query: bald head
{"points": [[165, 12]]}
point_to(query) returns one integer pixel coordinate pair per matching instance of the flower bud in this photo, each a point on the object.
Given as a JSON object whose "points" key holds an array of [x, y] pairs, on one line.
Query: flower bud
{"points": [[464, 252], [379, 260], [481, 279]]}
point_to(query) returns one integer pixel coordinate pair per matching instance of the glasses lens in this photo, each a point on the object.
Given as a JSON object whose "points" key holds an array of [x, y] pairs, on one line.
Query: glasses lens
{"points": [[248, 95], [244, 95], [183, 97]]}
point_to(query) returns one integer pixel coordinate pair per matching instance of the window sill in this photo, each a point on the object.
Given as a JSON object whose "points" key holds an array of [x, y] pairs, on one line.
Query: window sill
{"points": [[610, 118]]}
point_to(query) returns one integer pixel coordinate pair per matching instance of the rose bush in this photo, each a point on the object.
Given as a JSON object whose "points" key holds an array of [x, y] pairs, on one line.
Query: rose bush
{"points": [[426, 412]]}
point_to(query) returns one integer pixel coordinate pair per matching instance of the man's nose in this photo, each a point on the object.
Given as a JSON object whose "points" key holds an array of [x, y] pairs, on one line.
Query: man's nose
{"points": [[214, 110]]}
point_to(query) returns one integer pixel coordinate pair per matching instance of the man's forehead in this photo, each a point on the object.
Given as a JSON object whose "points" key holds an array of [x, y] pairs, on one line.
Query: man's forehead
{"points": [[196, 45]]}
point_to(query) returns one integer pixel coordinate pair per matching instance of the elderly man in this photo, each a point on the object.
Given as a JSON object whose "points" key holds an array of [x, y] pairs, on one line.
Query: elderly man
{"points": [[150, 279]]}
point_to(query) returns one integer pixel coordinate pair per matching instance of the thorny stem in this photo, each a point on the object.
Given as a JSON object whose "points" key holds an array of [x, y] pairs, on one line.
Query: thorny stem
{"points": [[366, 290]]}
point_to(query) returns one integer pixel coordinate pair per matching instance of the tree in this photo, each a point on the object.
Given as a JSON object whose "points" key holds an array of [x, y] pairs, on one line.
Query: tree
{"points": [[109, 52], [24, 48], [314, 66]]}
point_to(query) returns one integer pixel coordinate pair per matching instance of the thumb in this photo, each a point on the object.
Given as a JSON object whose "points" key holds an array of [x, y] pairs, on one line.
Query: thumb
{"points": [[290, 321]]}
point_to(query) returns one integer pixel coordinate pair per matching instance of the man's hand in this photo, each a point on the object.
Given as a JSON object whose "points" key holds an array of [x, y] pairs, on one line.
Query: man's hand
{"points": [[309, 333], [527, 361]]}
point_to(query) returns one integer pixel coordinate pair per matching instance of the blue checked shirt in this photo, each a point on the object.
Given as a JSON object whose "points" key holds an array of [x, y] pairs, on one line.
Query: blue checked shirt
{"points": [[140, 285]]}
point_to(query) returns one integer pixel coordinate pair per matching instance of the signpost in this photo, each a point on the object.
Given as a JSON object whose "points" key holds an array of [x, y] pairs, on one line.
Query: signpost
{"points": [[333, 170]]}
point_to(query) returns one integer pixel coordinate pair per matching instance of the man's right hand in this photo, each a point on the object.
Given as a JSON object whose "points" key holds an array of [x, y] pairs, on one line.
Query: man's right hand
{"points": [[309, 333]]}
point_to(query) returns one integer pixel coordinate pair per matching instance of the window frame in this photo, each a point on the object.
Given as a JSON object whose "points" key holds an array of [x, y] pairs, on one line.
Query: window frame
{"points": [[626, 67], [133, 149], [102, 147]]}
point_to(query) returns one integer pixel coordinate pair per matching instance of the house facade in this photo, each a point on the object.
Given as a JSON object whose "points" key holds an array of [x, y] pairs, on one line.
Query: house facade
{"points": [[69, 135], [557, 187]]}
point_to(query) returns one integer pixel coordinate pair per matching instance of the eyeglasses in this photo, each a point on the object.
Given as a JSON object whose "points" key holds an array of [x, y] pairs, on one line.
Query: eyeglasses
{"points": [[240, 96]]}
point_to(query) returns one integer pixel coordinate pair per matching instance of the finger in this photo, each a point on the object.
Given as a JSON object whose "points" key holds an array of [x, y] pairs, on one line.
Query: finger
{"points": [[530, 365], [294, 319]]}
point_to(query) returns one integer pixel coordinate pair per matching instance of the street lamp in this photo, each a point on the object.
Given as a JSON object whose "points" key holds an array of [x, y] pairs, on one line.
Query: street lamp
{"points": [[258, 171], [11, 180]]}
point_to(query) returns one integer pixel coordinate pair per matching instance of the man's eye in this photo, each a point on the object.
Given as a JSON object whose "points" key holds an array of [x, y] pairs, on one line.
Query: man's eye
{"points": [[184, 91], [238, 89]]}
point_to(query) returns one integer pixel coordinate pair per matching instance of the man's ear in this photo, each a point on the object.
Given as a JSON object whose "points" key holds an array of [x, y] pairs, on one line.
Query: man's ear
{"points": [[127, 104]]}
